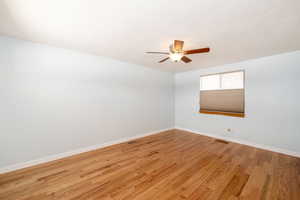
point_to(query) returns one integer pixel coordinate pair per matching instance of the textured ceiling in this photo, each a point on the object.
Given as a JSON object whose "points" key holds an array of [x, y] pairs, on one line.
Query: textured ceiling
{"points": [[235, 30]]}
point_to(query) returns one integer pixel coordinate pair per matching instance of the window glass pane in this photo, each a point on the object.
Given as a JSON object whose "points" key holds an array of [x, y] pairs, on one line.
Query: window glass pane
{"points": [[211, 82], [234, 80]]}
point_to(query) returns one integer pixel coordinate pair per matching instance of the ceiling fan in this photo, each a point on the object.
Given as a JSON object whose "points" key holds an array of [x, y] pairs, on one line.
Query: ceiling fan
{"points": [[176, 52]]}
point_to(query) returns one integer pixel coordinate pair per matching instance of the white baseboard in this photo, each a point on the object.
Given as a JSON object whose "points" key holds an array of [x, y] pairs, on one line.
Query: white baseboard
{"points": [[259, 146], [73, 152], [98, 146]]}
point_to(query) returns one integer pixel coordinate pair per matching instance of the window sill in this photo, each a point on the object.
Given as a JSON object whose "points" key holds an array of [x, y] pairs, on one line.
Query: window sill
{"points": [[242, 115]]}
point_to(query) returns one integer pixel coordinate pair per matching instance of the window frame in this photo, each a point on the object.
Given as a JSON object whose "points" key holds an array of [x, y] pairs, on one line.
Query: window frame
{"points": [[232, 114], [220, 78]]}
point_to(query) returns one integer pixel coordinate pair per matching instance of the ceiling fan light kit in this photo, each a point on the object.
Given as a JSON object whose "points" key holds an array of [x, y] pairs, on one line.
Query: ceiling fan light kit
{"points": [[175, 57], [176, 52]]}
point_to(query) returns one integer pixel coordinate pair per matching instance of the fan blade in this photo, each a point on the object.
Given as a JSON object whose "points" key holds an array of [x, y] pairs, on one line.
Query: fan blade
{"points": [[156, 52], [178, 45], [186, 59], [163, 60], [203, 50]]}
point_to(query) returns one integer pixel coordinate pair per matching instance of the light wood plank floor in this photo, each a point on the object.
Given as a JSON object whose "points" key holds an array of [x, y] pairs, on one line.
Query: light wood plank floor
{"points": [[171, 165]]}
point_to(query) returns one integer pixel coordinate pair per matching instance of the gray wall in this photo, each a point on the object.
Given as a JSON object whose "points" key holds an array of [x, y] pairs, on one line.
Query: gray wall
{"points": [[272, 97], [55, 100]]}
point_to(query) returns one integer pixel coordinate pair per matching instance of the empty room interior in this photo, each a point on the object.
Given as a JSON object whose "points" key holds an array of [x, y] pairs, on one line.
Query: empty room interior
{"points": [[149, 100]]}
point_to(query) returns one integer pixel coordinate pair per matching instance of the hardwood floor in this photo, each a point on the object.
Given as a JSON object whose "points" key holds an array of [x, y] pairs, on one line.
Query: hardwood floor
{"points": [[171, 165]]}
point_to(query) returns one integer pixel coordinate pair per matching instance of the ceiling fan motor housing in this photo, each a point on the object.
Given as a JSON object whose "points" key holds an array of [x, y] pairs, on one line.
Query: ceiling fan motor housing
{"points": [[176, 52]]}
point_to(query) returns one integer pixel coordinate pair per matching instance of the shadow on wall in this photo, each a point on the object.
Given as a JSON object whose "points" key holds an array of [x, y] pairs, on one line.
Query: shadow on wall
{"points": [[9, 19]]}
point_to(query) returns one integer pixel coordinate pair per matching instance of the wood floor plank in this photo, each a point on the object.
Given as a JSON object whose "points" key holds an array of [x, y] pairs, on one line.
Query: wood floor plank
{"points": [[170, 165]]}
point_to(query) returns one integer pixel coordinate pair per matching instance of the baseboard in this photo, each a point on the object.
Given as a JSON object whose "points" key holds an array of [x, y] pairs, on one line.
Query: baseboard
{"points": [[259, 146], [98, 146], [73, 152]]}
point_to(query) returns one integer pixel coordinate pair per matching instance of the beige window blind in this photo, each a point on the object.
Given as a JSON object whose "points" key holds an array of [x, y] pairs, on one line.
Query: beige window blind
{"points": [[223, 93]]}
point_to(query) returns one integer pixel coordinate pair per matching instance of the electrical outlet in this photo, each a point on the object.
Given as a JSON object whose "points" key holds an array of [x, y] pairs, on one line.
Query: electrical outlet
{"points": [[227, 132]]}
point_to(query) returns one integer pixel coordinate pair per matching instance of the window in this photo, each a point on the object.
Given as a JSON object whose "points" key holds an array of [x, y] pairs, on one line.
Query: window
{"points": [[222, 93]]}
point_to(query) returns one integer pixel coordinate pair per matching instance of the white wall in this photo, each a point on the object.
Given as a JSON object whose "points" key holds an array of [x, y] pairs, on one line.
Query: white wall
{"points": [[55, 100], [272, 92]]}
